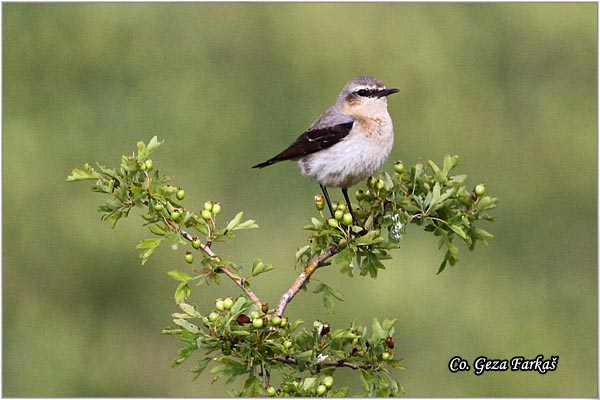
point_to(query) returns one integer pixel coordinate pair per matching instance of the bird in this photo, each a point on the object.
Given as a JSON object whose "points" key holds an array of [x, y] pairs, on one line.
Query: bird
{"points": [[348, 142]]}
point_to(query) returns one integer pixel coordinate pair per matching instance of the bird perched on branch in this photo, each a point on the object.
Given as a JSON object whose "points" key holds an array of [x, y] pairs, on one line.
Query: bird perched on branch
{"points": [[348, 142]]}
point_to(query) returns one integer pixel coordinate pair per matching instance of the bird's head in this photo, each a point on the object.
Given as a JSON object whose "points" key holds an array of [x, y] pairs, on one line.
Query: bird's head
{"points": [[364, 97]]}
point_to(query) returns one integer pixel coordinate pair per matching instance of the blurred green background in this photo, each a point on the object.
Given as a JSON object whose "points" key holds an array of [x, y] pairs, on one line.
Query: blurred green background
{"points": [[511, 88]]}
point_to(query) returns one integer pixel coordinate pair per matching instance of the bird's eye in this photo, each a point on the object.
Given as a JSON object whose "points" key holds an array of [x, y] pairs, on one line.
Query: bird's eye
{"points": [[362, 92]]}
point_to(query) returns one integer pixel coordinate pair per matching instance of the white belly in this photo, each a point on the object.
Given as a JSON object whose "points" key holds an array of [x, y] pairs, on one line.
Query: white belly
{"points": [[350, 161]]}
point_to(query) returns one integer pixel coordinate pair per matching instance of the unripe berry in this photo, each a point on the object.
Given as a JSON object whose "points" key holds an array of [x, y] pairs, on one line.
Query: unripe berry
{"points": [[142, 166], [341, 207], [208, 205], [386, 356], [380, 184], [360, 194], [158, 206], [328, 381], [276, 321], [206, 215], [149, 164], [284, 322], [196, 243], [480, 189], [180, 194], [347, 219], [257, 323], [399, 167], [319, 202], [228, 303], [287, 344], [213, 316], [339, 214], [255, 314], [321, 389], [332, 222], [271, 391], [216, 208], [176, 214], [220, 305], [189, 257]]}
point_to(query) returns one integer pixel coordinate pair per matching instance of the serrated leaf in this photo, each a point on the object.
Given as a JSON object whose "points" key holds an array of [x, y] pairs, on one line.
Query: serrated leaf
{"points": [[185, 324], [378, 332], [249, 224], [182, 292], [190, 310], [153, 144], [149, 245], [235, 221], [83, 174], [258, 267]]}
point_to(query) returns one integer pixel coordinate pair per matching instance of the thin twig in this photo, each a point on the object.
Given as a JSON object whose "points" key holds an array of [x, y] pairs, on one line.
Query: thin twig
{"points": [[301, 279], [230, 274]]}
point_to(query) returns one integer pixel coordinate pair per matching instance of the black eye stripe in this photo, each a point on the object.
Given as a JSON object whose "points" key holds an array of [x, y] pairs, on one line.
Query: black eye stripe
{"points": [[367, 92]]}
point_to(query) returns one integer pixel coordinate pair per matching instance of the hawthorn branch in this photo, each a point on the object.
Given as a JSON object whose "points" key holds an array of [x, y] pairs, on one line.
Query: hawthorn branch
{"points": [[339, 363], [302, 278]]}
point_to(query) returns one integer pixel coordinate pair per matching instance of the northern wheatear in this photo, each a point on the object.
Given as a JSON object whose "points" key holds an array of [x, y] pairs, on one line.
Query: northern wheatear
{"points": [[349, 142]]}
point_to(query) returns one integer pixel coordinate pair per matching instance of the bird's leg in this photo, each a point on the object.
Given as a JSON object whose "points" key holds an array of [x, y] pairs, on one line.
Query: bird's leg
{"points": [[345, 192], [324, 189]]}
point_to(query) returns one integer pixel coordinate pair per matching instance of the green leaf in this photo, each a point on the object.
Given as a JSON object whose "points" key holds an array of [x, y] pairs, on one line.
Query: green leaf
{"points": [[329, 294], [378, 331], [149, 245], [85, 174], [157, 229], [200, 367], [153, 145], [190, 310], [235, 221], [249, 224], [182, 292], [185, 324], [229, 369], [258, 267], [179, 276]]}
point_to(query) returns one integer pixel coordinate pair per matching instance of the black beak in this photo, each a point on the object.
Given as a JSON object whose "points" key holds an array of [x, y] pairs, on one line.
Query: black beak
{"points": [[386, 92]]}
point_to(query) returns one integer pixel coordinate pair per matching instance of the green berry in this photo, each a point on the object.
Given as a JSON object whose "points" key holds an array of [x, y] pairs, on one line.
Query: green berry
{"points": [[189, 257], [158, 206], [208, 205], [196, 243], [220, 305], [176, 214], [276, 321], [180, 194], [319, 202], [321, 389], [399, 167], [271, 391], [287, 344], [347, 219], [284, 322], [255, 314], [360, 194], [380, 184], [328, 381], [216, 208], [149, 164], [339, 214], [213, 316], [228, 303], [332, 222], [480, 189], [341, 207], [386, 356], [142, 166], [257, 323], [206, 215]]}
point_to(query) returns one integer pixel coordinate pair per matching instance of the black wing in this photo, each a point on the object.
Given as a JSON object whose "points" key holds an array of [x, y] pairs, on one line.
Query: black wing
{"points": [[310, 142]]}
